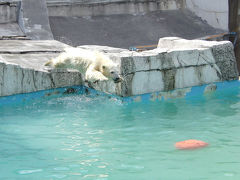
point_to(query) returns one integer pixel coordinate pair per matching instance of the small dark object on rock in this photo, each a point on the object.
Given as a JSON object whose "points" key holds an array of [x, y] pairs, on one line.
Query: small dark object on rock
{"points": [[70, 91], [87, 91]]}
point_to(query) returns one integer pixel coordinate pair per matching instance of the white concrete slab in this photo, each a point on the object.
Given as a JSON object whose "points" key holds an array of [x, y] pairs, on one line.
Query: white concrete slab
{"points": [[22, 67], [16, 46]]}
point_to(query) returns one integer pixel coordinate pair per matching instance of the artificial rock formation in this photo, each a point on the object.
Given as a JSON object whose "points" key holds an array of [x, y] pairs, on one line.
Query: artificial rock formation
{"points": [[176, 63]]}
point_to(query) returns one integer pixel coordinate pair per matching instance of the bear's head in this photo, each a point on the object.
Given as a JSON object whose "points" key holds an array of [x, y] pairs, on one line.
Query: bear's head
{"points": [[108, 68], [111, 71]]}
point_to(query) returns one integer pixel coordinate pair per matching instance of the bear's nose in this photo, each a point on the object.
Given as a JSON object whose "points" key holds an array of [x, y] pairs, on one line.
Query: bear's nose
{"points": [[116, 80]]}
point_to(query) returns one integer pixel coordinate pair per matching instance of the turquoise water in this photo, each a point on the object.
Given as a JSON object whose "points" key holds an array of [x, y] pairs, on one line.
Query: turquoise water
{"points": [[96, 137]]}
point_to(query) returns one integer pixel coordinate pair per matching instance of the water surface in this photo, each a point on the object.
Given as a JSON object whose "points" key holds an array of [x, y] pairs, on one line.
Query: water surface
{"points": [[97, 137]]}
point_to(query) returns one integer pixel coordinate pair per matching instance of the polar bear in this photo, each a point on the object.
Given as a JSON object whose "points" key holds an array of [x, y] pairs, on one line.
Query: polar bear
{"points": [[93, 65]]}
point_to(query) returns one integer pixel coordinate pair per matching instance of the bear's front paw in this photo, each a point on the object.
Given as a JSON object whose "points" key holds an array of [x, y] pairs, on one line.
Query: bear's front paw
{"points": [[103, 79], [47, 68]]}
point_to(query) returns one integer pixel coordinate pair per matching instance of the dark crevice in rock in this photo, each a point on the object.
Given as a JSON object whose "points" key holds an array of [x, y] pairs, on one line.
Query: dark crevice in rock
{"points": [[198, 72], [6, 3], [22, 83], [166, 69], [126, 87], [29, 52], [169, 79], [52, 81], [13, 38], [33, 78], [127, 65], [204, 58], [179, 62], [3, 76]]}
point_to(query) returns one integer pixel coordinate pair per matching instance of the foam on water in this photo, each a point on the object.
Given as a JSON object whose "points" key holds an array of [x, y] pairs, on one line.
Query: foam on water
{"points": [[97, 137]]}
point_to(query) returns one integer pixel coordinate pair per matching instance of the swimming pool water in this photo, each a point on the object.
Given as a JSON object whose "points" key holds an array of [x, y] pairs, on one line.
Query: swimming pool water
{"points": [[96, 137]]}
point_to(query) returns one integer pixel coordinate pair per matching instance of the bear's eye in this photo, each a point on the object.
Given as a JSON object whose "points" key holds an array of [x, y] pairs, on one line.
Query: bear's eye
{"points": [[103, 67], [112, 72]]}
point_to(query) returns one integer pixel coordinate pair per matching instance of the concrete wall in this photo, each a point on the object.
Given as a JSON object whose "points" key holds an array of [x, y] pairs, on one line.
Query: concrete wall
{"points": [[33, 20], [215, 12], [109, 7], [9, 11]]}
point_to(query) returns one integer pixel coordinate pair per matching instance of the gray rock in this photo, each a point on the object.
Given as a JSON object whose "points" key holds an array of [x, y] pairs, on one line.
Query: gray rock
{"points": [[22, 67], [176, 63]]}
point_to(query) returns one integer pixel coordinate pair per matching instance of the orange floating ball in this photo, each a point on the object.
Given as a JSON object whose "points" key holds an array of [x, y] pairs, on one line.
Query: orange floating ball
{"points": [[190, 144]]}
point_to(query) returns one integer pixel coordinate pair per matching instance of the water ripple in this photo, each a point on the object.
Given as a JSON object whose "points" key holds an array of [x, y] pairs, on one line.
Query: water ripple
{"points": [[29, 171]]}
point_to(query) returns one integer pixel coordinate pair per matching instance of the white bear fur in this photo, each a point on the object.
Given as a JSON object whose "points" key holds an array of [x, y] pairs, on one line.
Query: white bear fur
{"points": [[93, 65]]}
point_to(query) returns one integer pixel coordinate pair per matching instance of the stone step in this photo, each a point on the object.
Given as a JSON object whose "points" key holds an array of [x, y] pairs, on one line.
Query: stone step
{"points": [[87, 1], [31, 46], [108, 7], [11, 31]]}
